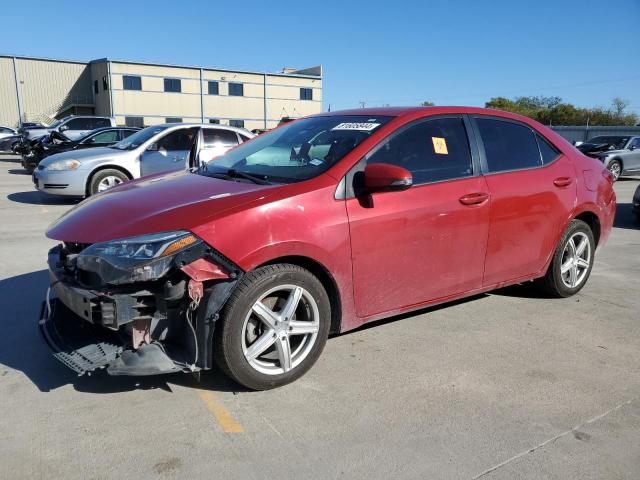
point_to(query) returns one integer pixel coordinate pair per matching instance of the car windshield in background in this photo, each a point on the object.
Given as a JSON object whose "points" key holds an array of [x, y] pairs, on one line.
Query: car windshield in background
{"points": [[616, 142], [138, 138], [298, 151]]}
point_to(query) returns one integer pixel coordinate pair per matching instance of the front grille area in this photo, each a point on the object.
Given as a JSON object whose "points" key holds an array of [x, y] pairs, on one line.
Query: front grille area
{"points": [[56, 185]]}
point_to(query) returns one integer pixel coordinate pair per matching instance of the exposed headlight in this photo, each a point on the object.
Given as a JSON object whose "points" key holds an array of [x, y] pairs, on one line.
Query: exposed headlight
{"points": [[63, 165], [135, 259]]}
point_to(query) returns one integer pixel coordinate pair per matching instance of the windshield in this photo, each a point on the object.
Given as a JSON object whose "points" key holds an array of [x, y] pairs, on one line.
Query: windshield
{"points": [[298, 151], [617, 142], [55, 124], [134, 141]]}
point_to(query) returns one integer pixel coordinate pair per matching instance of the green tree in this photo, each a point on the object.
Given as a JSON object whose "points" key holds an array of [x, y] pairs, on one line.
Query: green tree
{"points": [[552, 111], [427, 104]]}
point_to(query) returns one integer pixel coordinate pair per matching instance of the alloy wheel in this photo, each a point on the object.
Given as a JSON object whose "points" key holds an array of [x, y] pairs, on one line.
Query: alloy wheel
{"points": [[615, 169], [108, 182], [280, 330], [576, 259]]}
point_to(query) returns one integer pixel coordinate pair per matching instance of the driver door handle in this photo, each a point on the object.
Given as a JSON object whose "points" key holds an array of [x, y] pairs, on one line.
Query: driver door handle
{"points": [[474, 198]]}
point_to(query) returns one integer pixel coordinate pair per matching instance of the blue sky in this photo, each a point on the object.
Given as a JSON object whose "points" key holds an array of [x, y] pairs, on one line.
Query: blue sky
{"points": [[380, 52]]}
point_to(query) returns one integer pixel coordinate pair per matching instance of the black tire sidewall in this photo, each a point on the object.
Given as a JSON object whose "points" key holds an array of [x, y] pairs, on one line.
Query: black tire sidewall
{"points": [[228, 348], [556, 282], [97, 177]]}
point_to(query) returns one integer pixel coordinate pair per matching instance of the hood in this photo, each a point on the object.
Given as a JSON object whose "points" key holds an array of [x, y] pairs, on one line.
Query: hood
{"points": [[176, 201], [97, 153]]}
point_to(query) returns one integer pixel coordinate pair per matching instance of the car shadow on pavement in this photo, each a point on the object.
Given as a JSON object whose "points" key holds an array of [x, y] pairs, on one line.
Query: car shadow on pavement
{"points": [[17, 171], [23, 349], [402, 316], [39, 198], [625, 217]]}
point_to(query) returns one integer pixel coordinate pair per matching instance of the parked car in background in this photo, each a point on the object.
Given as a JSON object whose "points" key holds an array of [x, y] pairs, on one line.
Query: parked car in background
{"points": [[10, 144], [319, 226], [73, 127], [7, 132], [57, 142], [160, 148], [619, 153]]}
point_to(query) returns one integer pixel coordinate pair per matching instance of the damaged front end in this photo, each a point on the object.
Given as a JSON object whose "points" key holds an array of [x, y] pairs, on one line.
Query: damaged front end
{"points": [[136, 306]]}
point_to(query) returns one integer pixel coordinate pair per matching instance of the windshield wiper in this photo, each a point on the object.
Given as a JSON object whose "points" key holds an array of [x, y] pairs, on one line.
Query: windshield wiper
{"points": [[232, 173]]}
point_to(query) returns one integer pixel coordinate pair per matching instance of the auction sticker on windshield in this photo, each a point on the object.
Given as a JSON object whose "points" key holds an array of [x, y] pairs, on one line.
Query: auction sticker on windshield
{"points": [[363, 127]]}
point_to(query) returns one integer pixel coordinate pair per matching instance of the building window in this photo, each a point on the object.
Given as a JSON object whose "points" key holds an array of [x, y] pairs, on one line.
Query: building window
{"points": [[134, 122], [213, 88], [130, 82], [105, 83], [236, 123], [214, 120], [95, 86], [306, 94], [172, 85], [236, 89], [173, 120]]}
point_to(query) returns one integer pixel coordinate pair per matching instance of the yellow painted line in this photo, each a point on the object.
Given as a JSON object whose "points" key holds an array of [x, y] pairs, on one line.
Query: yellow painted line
{"points": [[224, 418]]}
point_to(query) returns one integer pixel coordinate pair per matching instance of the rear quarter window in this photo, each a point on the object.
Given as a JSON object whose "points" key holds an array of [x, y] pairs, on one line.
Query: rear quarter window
{"points": [[547, 151]]}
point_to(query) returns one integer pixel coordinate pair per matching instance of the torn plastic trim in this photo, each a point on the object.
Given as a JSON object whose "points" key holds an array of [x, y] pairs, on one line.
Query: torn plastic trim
{"points": [[85, 348]]}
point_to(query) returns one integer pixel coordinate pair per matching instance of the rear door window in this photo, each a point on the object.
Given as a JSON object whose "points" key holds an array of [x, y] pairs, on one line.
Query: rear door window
{"points": [[507, 145], [214, 137], [80, 124], [432, 150], [101, 122]]}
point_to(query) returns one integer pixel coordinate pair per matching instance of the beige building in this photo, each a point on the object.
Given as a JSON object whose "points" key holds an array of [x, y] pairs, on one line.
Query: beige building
{"points": [[40, 90]]}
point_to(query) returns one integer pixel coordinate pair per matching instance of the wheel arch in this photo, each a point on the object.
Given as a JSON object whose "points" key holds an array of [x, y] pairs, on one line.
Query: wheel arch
{"points": [[591, 219], [325, 277], [105, 167]]}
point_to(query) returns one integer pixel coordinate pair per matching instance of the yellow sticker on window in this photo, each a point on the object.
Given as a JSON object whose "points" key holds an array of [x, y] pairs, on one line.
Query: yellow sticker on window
{"points": [[440, 145]]}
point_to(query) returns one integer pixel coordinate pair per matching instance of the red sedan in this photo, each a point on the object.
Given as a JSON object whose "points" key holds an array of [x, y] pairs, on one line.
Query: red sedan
{"points": [[318, 227]]}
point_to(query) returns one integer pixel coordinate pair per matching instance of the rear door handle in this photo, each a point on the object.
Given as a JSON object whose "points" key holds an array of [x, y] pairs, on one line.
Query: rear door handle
{"points": [[562, 182], [474, 198]]}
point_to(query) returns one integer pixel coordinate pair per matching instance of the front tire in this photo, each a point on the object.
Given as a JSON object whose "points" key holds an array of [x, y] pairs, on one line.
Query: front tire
{"points": [[273, 327], [572, 261], [105, 179]]}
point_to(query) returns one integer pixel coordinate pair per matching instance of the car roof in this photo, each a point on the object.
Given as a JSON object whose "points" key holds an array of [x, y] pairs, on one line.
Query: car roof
{"points": [[439, 110], [243, 131], [119, 127]]}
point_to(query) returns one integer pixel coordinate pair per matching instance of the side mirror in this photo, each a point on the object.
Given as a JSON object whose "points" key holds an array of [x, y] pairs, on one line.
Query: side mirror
{"points": [[632, 147], [152, 148], [64, 128], [380, 177]]}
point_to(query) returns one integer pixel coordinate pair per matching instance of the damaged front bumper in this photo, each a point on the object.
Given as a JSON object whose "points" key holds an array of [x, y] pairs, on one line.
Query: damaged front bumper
{"points": [[146, 329]]}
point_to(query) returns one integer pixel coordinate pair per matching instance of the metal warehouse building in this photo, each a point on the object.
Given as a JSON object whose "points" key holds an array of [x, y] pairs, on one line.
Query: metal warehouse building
{"points": [[137, 94]]}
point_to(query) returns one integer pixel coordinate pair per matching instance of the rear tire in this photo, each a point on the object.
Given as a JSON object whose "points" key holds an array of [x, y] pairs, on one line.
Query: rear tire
{"points": [[572, 261], [105, 179], [615, 167], [255, 343]]}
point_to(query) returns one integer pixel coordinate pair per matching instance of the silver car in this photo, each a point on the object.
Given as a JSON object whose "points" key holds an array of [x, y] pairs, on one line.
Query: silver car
{"points": [[621, 161], [7, 132], [156, 149], [73, 126]]}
